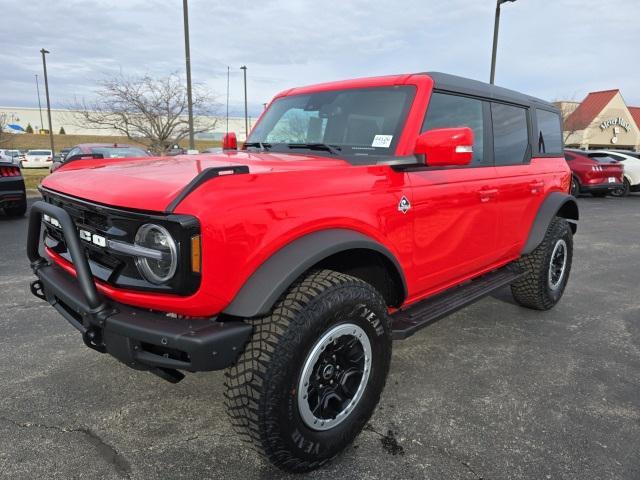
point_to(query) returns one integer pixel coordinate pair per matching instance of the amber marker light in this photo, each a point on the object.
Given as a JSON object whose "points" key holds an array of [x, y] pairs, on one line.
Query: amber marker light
{"points": [[195, 254]]}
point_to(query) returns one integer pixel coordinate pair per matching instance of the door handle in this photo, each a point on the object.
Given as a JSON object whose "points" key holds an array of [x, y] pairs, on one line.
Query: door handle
{"points": [[487, 194], [536, 186]]}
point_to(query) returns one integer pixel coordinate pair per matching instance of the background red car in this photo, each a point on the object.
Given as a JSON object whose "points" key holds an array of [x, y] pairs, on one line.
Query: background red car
{"points": [[597, 176], [87, 151]]}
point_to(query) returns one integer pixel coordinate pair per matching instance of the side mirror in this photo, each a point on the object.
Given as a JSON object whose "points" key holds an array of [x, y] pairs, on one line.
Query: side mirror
{"points": [[229, 141], [445, 147]]}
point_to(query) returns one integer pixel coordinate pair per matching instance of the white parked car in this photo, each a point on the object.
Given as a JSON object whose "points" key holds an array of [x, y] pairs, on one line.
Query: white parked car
{"points": [[13, 156], [631, 162], [37, 159]]}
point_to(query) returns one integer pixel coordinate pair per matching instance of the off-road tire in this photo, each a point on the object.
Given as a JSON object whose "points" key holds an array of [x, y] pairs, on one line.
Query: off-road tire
{"points": [[533, 289], [623, 191], [17, 211], [261, 388]]}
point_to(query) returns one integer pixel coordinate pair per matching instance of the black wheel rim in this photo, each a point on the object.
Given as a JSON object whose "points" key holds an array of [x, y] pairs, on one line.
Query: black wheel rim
{"points": [[558, 264], [334, 376]]}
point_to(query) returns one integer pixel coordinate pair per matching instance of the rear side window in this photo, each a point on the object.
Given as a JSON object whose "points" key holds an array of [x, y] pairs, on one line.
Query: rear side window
{"points": [[451, 111], [510, 134], [549, 132]]}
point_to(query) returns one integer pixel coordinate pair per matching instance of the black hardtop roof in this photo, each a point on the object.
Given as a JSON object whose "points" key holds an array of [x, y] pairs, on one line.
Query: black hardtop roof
{"points": [[453, 83]]}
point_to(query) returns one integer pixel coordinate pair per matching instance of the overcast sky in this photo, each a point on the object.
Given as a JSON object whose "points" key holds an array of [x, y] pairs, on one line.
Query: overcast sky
{"points": [[558, 49]]}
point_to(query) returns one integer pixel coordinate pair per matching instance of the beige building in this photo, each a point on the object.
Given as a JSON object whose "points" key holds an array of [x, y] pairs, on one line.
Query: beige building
{"points": [[601, 120], [68, 119]]}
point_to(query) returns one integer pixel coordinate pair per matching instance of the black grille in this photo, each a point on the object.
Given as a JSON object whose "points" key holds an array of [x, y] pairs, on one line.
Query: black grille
{"points": [[114, 224]]}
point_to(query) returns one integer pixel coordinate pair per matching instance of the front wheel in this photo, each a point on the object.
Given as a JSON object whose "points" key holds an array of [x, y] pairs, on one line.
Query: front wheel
{"points": [[312, 374], [546, 269]]}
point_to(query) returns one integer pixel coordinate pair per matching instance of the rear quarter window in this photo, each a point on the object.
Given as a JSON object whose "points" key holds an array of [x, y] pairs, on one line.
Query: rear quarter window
{"points": [[549, 132]]}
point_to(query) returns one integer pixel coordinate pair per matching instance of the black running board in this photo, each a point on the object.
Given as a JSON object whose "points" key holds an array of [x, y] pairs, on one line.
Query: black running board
{"points": [[409, 321]]}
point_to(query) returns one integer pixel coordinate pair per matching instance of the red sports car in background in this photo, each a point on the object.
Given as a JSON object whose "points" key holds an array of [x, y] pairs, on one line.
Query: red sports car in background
{"points": [[597, 176], [90, 151]]}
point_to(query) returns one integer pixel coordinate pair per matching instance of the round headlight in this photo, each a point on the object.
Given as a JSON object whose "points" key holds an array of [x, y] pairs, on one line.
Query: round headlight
{"points": [[157, 238]]}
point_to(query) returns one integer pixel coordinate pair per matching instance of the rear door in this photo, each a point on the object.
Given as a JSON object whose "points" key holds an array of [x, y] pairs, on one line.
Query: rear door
{"points": [[524, 176], [455, 208]]}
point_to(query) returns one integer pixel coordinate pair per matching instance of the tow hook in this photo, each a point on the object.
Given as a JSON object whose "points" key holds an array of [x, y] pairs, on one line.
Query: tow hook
{"points": [[93, 339]]}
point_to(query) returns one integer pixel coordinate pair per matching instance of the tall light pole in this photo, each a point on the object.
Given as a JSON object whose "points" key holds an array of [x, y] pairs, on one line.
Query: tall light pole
{"points": [[496, 26], [46, 89], [187, 54], [246, 114], [228, 70], [39, 103]]}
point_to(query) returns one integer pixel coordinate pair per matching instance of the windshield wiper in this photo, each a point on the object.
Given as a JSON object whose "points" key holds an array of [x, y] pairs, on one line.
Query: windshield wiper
{"points": [[333, 149], [263, 146]]}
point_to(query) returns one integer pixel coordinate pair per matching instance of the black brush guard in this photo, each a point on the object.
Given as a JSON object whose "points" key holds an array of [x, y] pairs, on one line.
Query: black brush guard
{"points": [[142, 339]]}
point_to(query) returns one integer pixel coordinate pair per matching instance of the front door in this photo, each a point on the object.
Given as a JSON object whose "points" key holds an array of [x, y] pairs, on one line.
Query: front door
{"points": [[455, 208]]}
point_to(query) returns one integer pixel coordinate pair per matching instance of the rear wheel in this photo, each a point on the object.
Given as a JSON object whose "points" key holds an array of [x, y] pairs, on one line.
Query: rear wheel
{"points": [[313, 372], [547, 268], [575, 186], [623, 191]]}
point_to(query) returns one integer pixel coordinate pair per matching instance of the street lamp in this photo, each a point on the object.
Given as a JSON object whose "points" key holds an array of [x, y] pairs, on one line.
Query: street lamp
{"points": [[39, 103], [46, 89], [496, 25], [187, 54], [246, 115]]}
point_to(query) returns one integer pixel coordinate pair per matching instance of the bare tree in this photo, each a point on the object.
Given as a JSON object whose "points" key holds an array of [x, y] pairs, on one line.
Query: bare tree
{"points": [[4, 121], [147, 110]]}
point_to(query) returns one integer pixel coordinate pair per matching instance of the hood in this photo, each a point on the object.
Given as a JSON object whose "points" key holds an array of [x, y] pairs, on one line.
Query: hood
{"points": [[152, 183]]}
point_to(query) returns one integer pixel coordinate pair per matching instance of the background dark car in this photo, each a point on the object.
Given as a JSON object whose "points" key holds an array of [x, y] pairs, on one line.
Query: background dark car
{"points": [[597, 176], [100, 150], [13, 198]]}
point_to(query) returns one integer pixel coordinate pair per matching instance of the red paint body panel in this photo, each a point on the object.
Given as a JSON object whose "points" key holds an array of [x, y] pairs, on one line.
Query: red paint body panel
{"points": [[462, 221]]}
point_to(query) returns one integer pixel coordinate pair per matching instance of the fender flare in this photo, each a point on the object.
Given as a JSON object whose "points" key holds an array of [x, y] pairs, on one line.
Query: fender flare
{"points": [[263, 288], [556, 204]]}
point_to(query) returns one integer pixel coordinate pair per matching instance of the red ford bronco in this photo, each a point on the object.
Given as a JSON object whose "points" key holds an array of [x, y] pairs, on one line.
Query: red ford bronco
{"points": [[356, 212]]}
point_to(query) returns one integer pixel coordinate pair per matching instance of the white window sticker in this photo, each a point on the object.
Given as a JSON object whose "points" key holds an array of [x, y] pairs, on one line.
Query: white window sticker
{"points": [[382, 141]]}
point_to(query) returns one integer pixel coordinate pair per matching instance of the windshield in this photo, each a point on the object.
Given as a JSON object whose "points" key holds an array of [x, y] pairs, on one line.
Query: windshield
{"points": [[39, 152], [352, 123], [119, 152]]}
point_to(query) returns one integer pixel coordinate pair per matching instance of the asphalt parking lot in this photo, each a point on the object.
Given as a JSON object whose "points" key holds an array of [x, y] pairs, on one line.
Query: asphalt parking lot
{"points": [[494, 391]]}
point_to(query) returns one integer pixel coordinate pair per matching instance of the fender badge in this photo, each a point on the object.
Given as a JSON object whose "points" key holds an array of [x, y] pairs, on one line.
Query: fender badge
{"points": [[404, 205]]}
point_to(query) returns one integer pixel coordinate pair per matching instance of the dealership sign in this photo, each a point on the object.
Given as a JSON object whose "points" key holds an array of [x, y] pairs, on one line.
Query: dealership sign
{"points": [[616, 121]]}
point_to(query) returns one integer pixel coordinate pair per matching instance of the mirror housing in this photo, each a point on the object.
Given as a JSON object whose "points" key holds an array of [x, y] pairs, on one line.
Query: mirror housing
{"points": [[230, 141], [444, 147]]}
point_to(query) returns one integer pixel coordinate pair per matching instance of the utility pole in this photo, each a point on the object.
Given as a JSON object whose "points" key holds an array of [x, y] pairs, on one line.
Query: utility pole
{"points": [[187, 50], [46, 89], [496, 26], [228, 69], [246, 114], [39, 103]]}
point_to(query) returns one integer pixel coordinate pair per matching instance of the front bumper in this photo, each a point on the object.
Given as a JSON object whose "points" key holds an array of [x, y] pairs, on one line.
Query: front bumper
{"points": [[142, 339]]}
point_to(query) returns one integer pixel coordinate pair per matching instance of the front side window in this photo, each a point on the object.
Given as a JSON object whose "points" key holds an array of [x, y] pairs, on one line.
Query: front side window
{"points": [[510, 134], [549, 132], [452, 111], [355, 123]]}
